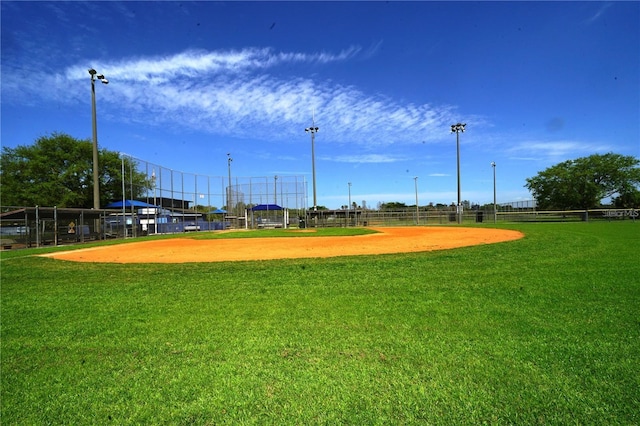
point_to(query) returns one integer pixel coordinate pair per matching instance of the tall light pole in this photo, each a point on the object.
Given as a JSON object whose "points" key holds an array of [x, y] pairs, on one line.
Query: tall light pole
{"points": [[313, 130], [349, 206], [417, 209], [96, 180], [495, 211], [155, 207], [229, 201], [275, 189], [457, 129]]}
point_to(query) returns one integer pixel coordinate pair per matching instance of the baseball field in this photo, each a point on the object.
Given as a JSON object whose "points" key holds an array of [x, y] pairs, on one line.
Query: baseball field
{"points": [[289, 246], [511, 324]]}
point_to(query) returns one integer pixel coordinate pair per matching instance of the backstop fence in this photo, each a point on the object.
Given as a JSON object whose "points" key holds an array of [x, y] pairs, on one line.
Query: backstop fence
{"points": [[161, 186]]}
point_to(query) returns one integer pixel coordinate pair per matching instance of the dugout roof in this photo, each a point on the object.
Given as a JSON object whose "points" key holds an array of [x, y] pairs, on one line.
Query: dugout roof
{"points": [[29, 213], [129, 203], [265, 207]]}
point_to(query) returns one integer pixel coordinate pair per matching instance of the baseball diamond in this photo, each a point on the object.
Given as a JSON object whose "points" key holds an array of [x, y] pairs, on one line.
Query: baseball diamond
{"points": [[385, 241]]}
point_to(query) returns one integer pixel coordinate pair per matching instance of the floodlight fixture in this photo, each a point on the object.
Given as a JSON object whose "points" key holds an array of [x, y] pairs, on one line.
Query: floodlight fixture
{"points": [[459, 127]]}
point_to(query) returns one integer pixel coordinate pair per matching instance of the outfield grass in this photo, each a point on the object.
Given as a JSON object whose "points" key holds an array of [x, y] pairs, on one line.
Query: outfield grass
{"points": [[545, 329]]}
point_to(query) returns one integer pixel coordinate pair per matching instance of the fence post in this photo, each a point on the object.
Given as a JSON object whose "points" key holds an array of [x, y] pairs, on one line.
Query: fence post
{"points": [[55, 225], [37, 227]]}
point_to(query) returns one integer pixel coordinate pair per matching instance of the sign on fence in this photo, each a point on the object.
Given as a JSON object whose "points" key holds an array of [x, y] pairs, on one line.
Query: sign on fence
{"points": [[622, 213]]}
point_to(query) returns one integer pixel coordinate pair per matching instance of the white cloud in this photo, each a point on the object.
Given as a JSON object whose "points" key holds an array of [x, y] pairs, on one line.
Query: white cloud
{"points": [[554, 150], [241, 93], [367, 158], [603, 7], [199, 63]]}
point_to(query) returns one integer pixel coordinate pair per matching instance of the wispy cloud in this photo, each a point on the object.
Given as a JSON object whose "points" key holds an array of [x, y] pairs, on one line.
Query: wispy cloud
{"points": [[554, 150], [598, 13], [258, 93], [367, 158], [197, 63]]}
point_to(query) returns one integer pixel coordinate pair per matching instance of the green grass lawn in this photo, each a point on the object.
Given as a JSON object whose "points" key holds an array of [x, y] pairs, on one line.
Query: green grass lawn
{"points": [[545, 329]]}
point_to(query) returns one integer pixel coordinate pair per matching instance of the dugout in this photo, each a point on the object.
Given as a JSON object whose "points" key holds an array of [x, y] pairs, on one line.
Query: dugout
{"points": [[38, 226], [334, 218], [267, 216]]}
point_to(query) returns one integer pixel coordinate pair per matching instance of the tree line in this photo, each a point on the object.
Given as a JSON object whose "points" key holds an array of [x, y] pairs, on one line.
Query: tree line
{"points": [[584, 182], [57, 170]]}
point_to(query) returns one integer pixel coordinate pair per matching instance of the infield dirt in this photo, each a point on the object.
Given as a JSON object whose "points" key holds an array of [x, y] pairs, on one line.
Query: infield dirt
{"points": [[387, 240]]}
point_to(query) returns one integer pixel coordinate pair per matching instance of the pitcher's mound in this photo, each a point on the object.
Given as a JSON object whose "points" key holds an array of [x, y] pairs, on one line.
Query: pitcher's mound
{"points": [[388, 240]]}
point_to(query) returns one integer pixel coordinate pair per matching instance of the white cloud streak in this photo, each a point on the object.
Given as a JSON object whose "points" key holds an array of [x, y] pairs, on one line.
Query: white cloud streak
{"points": [[194, 64], [367, 158], [601, 10], [555, 150], [242, 93]]}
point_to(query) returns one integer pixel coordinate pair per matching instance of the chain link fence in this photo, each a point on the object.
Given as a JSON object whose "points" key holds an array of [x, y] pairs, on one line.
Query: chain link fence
{"points": [[180, 190], [42, 226], [159, 200]]}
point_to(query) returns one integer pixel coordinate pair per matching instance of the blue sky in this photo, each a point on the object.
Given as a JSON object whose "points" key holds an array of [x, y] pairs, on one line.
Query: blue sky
{"points": [[536, 83]]}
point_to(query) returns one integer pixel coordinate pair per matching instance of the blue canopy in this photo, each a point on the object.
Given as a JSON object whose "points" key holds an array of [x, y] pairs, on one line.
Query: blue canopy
{"points": [[217, 211], [128, 203], [264, 207]]}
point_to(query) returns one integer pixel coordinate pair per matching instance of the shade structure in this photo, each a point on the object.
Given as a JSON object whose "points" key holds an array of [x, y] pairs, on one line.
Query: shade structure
{"points": [[265, 207], [129, 203]]}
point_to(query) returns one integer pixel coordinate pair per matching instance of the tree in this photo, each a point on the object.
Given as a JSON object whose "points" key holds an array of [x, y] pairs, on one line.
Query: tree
{"points": [[627, 198], [393, 206], [584, 182], [57, 170]]}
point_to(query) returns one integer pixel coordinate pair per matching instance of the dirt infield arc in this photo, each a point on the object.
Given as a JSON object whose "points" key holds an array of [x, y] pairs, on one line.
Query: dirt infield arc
{"points": [[387, 240]]}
